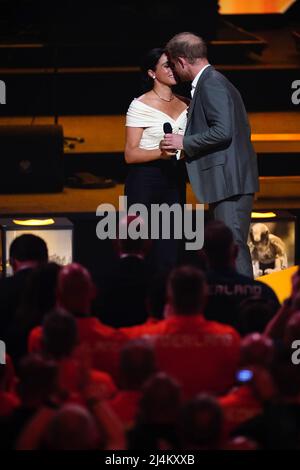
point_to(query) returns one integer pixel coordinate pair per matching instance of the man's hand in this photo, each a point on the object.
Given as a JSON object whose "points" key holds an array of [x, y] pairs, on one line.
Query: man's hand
{"points": [[171, 142]]}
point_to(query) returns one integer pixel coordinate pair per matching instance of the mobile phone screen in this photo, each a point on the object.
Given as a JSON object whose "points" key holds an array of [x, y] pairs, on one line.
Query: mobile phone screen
{"points": [[244, 375]]}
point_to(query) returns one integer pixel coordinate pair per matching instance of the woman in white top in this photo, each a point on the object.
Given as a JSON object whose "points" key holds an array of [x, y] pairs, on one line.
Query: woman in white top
{"points": [[155, 176]]}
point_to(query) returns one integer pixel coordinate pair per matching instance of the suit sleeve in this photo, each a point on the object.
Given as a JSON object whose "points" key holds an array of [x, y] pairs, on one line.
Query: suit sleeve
{"points": [[217, 105]]}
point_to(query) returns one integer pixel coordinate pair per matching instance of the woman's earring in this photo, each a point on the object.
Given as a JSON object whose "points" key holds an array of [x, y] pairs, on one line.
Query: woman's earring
{"points": [[154, 77]]}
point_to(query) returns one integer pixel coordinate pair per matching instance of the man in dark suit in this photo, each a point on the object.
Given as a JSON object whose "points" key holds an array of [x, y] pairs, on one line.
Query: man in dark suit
{"points": [[220, 159]]}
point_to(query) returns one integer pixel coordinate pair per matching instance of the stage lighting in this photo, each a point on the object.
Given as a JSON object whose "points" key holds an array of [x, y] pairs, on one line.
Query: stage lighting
{"points": [[56, 232]]}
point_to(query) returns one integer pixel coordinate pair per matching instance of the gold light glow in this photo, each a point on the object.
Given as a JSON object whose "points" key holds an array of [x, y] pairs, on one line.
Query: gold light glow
{"points": [[263, 215], [238, 7], [34, 222]]}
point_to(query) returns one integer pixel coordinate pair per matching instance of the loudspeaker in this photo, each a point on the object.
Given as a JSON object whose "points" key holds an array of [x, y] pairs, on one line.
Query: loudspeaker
{"points": [[31, 159]]}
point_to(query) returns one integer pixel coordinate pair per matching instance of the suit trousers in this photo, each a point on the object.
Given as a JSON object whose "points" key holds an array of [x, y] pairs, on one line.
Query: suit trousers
{"points": [[235, 212]]}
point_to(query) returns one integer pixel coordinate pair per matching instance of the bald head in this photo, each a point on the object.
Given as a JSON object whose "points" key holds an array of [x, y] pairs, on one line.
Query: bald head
{"points": [[75, 289]]}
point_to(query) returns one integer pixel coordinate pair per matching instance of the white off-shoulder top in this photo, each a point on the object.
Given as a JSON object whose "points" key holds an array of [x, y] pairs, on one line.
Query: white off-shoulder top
{"points": [[152, 120]]}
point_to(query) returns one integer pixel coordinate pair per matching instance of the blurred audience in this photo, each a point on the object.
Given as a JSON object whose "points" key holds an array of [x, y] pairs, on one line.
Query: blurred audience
{"points": [[130, 278], [26, 253], [227, 287], [167, 370], [254, 313], [75, 294], [157, 415], [184, 340], [137, 364], [59, 340], [37, 388], [38, 298], [201, 424]]}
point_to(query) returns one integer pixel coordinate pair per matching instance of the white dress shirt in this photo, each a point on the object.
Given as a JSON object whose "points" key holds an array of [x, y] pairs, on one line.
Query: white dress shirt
{"points": [[196, 79]]}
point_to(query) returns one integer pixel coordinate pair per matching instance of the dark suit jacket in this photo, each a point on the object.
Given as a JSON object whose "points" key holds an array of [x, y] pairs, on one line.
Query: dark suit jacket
{"points": [[220, 158], [227, 290]]}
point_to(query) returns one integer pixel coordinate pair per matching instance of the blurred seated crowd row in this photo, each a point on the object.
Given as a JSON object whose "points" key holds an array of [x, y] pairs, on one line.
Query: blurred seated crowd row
{"points": [[197, 358]]}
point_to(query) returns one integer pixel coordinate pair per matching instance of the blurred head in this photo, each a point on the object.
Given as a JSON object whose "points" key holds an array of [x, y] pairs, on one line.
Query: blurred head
{"points": [[161, 400], [219, 245], [201, 423], [137, 364], [38, 380], [156, 69], [59, 334], [39, 295], [257, 349], [187, 291], [187, 51], [73, 428], [75, 289], [254, 315], [27, 250]]}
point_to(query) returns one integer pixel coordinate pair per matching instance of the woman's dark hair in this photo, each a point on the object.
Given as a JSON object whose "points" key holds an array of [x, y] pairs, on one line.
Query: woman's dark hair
{"points": [[149, 62]]}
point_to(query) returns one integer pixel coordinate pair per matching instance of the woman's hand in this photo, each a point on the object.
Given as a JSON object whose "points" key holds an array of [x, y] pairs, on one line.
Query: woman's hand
{"points": [[166, 154]]}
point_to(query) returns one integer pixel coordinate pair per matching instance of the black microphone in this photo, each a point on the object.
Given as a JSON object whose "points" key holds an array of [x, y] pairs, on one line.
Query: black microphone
{"points": [[168, 128]]}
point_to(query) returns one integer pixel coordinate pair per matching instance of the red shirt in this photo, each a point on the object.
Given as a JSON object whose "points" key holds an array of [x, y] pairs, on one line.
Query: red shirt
{"points": [[8, 403], [239, 406], [140, 330], [99, 342], [125, 404], [202, 355], [74, 375]]}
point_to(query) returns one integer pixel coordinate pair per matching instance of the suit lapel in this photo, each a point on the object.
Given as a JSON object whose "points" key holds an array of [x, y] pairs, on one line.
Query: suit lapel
{"points": [[192, 104]]}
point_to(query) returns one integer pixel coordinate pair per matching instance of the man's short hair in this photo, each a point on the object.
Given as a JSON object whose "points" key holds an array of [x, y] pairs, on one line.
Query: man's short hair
{"points": [[38, 378], [218, 242], [60, 334], [187, 45], [29, 247], [187, 290]]}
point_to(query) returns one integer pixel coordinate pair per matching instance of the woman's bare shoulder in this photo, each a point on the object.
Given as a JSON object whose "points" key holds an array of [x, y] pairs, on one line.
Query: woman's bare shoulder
{"points": [[145, 98]]}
